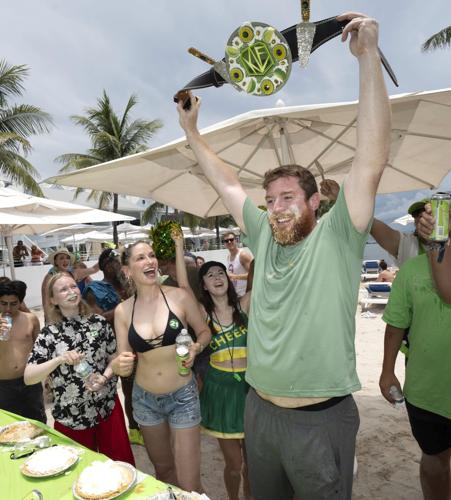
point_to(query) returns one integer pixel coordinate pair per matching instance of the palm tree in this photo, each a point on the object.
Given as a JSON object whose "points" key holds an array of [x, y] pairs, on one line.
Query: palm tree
{"points": [[17, 123], [111, 137], [440, 40]]}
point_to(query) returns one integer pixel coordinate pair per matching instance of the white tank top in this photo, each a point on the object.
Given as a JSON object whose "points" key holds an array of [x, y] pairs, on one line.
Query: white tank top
{"points": [[234, 266]]}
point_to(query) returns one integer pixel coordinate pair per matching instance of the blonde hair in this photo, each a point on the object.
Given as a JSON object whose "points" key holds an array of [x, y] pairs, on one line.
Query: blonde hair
{"points": [[54, 314]]}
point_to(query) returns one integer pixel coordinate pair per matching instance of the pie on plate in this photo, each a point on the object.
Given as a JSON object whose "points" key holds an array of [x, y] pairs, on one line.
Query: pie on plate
{"points": [[19, 432], [50, 461], [104, 480]]}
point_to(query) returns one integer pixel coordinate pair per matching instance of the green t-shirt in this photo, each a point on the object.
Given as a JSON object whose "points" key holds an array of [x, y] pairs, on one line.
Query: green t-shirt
{"points": [[304, 298], [415, 304]]}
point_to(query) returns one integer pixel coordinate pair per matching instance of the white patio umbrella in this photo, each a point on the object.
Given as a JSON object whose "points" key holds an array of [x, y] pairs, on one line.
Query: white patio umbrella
{"points": [[321, 138], [87, 237], [25, 214]]}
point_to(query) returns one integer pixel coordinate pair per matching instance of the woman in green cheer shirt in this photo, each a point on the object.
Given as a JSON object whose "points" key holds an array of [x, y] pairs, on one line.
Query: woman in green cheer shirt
{"points": [[224, 391]]}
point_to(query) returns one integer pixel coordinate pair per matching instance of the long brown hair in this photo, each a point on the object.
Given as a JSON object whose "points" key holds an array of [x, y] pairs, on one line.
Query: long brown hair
{"points": [[55, 315]]}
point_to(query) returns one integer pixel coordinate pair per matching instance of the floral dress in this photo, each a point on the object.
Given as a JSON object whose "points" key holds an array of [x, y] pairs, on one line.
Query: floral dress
{"points": [[75, 406]]}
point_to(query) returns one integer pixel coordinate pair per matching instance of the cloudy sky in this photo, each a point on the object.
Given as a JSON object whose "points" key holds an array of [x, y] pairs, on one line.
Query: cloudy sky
{"points": [[76, 49]]}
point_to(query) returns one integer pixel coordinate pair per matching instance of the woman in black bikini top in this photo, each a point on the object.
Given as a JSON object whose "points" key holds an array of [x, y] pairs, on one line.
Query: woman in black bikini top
{"points": [[164, 402]]}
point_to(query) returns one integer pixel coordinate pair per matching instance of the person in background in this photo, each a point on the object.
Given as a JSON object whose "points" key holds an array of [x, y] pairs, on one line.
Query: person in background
{"points": [[224, 390], [199, 261], [36, 256], [85, 281], [62, 262], [385, 275], [15, 396], [238, 262], [103, 296], [165, 403], [168, 268], [86, 408], [20, 252], [415, 304]]}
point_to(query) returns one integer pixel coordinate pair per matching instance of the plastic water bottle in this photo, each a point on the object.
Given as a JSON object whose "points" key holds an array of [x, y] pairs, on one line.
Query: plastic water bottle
{"points": [[83, 369], [397, 395], [5, 334], [183, 342]]}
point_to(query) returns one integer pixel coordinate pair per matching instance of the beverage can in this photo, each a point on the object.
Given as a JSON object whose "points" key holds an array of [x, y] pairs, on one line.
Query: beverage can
{"points": [[5, 332], [440, 203], [182, 354], [83, 369]]}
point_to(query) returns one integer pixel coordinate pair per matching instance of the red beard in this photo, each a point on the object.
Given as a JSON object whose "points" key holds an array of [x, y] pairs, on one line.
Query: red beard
{"points": [[301, 227]]}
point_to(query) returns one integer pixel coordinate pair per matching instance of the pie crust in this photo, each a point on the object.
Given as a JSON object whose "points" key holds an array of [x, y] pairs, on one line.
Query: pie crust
{"points": [[19, 432], [50, 461]]}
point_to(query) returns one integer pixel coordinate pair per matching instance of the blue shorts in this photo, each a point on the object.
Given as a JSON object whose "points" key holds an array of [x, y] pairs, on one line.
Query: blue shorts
{"points": [[181, 408]]}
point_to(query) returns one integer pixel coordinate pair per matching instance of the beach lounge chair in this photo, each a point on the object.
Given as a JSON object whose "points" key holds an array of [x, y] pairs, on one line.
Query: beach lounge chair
{"points": [[370, 270], [375, 293]]}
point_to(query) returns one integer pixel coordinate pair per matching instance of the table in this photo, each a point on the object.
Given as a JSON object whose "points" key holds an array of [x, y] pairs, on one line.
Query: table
{"points": [[15, 486]]}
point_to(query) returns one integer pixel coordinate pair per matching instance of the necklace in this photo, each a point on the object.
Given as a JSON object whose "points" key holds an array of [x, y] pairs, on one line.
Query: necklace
{"points": [[236, 376]]}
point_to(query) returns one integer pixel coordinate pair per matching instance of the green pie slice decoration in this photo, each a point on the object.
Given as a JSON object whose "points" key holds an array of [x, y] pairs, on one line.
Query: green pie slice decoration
{"points": [[258, 59]]}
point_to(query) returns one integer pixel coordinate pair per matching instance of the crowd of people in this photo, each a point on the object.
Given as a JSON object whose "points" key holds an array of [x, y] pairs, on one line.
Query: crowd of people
{"points": [[277, 332]]}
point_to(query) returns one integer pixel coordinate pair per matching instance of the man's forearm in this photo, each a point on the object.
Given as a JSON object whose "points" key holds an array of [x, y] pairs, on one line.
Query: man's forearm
{"points": [[392, 343], [374, 118]]}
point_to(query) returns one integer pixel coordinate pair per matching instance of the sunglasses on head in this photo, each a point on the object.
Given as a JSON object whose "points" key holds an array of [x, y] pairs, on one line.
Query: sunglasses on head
{"points": [[228, 240]]}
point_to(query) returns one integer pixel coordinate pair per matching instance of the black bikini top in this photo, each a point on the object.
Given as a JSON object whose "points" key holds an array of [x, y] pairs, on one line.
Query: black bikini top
{"points": [[173, 328]]}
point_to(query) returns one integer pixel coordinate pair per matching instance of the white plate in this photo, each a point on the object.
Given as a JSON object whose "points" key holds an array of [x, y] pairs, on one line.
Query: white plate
{"points": [[72, 459], [129, 487]]}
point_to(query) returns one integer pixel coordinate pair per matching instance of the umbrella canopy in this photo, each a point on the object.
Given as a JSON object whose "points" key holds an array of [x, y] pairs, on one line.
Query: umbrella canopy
{"points": [[321, 138], [85, 237], [25, 214]]}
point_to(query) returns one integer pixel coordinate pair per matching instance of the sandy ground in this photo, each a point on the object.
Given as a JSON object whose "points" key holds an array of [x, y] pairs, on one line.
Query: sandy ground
{"points": [[387, 454]]}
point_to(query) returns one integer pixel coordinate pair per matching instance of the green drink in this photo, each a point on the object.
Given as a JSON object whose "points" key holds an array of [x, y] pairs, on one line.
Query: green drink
{"points": [[440, 203], [182, 354]]}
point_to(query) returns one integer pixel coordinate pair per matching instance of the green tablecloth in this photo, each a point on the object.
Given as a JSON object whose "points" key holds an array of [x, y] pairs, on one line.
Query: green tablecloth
{"points": [[15, 486]]}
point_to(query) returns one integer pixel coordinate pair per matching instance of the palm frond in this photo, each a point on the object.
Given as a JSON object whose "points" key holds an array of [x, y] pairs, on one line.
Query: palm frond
{"points": [[150, 212], [11, 78], [440, 40], [24, 120]]}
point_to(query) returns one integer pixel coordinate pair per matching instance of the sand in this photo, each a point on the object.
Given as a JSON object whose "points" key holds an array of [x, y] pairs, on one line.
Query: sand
{"points": [[388, 456]]}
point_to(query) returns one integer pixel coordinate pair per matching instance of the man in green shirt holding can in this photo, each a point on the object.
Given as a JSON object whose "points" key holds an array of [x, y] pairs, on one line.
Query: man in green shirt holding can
{"points": [[301, 420]]}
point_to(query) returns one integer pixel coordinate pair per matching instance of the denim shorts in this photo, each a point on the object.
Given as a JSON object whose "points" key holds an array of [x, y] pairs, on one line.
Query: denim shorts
{"points": [[181, 408]]}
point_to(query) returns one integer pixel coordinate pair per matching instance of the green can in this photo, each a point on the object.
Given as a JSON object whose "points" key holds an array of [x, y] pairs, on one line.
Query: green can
{"points": [[440, 203], [182, 354]]}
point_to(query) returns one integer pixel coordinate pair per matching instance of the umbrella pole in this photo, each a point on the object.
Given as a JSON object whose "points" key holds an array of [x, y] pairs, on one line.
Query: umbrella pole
{"points": [[9, 244]]}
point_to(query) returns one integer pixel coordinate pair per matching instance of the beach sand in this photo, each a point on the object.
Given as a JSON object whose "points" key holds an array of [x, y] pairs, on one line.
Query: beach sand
{"points": [[387, 454]]}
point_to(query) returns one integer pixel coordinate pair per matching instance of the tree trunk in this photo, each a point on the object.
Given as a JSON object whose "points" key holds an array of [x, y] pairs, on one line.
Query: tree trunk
{"points": [[115, 204]]}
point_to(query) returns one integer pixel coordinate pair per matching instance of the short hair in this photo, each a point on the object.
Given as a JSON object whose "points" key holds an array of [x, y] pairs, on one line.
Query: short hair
{"points": [[21, 288], [305, 178], [55, 315], [9, 289], [383, 265]]}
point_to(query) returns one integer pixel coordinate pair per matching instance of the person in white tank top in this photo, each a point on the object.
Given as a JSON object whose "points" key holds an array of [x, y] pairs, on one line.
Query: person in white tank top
{"points": [[238, 263]]}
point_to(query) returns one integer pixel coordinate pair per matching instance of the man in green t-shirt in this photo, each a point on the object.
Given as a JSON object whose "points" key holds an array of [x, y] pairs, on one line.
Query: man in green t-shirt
{"points": [[415, 303], [301, 420]]}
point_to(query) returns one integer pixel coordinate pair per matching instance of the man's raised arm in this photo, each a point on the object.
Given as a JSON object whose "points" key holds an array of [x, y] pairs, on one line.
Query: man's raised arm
{"points": [[373, 122], [221, 176]]}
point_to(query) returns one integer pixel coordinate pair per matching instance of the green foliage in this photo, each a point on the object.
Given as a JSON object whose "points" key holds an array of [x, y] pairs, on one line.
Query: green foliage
{"points": [[162, 242], [440, 40], [17, 123]]}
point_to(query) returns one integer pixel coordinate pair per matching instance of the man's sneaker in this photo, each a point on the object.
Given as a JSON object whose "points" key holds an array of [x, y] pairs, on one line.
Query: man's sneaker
{"points": [[135, 437]]}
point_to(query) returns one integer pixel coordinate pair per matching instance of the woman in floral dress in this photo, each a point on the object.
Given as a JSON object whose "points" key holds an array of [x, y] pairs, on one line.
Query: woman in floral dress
{"points": [[93, 417]]}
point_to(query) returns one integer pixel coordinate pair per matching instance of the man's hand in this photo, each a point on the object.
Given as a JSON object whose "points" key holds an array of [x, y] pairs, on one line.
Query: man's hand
{"points": [[188, 117], [364, 32], [123, 364], [386, 380], [329, 189], [426, 223]]}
